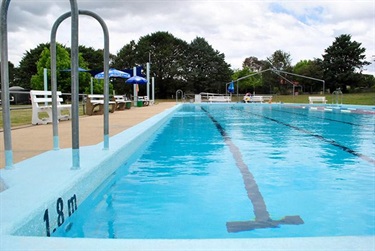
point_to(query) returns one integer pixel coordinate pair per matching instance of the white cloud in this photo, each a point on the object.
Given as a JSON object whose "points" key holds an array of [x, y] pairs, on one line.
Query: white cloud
{"points": [[238, 28]]}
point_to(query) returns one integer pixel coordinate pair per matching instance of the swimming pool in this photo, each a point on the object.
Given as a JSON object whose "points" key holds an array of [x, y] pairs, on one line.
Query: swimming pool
{"points": [[235, 171], [214, 164]]}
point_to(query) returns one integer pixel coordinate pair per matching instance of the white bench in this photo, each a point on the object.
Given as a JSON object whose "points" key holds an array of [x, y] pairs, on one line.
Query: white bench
{"points": [[95, 104], [267, 98], [145, 100], [252, 99], [122, 103], [219, 99], [257, 99], [42, 103], [317, 99], [260, 99]]}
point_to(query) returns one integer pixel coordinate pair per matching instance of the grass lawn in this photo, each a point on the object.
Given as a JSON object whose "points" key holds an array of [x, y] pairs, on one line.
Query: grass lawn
{"points": [[353, 99], [21, 115]]}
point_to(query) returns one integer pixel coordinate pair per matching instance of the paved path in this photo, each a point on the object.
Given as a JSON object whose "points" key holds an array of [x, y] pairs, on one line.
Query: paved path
{"points": [[32, 140]]}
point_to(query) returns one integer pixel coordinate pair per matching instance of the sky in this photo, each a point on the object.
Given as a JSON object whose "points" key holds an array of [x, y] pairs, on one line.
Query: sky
{"points": [[239, 29]]}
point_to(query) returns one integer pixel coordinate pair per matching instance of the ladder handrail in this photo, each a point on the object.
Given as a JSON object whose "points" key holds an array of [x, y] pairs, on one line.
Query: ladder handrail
{"points": [[182, 94]]}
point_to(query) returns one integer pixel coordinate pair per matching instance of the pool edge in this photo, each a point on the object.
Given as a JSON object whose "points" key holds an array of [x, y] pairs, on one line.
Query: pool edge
{"points": [[343, 243]]}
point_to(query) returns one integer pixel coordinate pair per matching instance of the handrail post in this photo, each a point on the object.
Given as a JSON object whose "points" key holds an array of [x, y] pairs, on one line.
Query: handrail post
{"points": [[54, 80], [5, 103], [75, 85]]}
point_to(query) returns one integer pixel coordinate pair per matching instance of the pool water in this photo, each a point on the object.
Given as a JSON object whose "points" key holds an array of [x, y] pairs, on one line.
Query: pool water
{"points": [[212, 166]]}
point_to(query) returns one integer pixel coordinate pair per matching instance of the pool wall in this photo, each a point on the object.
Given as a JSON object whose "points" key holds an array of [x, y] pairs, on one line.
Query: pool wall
{"points": [[41, 190]]}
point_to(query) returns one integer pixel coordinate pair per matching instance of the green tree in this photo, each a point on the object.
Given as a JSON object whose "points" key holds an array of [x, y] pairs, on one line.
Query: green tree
{"points": [[309, 68], [253, 63], [207, 70], [340, 62], [167, 54], [28, 66], [63, 77], [12, 74], [95, 63], [279, 60], [366, 82], [247, 84], [126, 58], [98, 87], [175, 64], [93, 58]]}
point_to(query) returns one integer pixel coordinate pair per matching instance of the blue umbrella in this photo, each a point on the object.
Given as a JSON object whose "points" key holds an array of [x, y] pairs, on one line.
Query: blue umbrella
{"points": [[231, 87], [136, 80], [113, 73]]}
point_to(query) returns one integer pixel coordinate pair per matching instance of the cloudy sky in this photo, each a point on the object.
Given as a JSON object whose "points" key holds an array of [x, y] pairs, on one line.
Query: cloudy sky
{"points": [[239, 29]]}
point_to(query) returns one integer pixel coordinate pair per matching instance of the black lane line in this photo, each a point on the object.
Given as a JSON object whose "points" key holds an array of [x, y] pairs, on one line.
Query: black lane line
{"points": [[330, 141], [262, 217], [305, 115]]}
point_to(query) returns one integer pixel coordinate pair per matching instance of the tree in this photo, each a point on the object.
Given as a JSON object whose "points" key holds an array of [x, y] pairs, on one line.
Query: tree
{"points": [[279, 60], [253, 63], [28, 66], [309, 68], [93, 58], [341, 61], [63, 77], [12, 74], [366, 82], [167, 54], [126, 57], [175, 64], [206, 69], [248, 84]]}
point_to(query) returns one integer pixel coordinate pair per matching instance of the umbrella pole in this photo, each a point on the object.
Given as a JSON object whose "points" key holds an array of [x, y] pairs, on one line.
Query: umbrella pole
{"points": [[135, 96], [91, 86], [148, 81], [153, 90]]}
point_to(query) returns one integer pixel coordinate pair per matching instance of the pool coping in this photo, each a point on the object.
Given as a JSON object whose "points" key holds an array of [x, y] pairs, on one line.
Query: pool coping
{"points": [[344, 243], [38, 194]]}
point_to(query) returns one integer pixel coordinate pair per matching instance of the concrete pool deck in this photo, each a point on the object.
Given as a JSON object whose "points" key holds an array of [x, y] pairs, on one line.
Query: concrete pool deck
{"points": [[42, 179], [31, 140]]}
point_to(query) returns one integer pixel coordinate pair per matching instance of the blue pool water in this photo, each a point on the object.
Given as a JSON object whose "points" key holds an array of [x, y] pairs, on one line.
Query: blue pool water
{"points": [[249, 166]]}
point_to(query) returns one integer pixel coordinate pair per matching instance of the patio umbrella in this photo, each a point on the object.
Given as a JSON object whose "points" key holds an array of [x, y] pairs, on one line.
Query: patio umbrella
{"points": [[136, 80], [231, 87], [113, 73]]}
